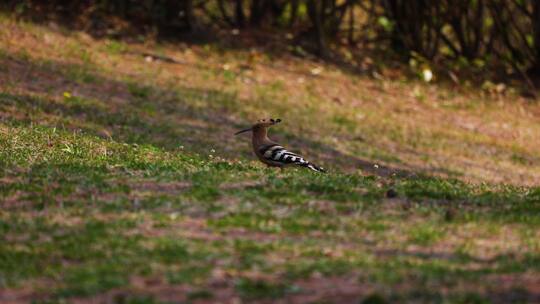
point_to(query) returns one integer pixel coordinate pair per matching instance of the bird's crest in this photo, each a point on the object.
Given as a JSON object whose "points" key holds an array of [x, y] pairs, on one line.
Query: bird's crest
{"points": [[267, 122]]}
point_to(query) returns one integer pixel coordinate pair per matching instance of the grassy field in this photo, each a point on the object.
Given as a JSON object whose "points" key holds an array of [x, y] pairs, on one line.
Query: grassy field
{"points": [[121, 182]]}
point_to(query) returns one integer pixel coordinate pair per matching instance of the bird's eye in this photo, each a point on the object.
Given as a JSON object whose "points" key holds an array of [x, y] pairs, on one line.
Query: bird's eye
{"points": [[271, 119]]}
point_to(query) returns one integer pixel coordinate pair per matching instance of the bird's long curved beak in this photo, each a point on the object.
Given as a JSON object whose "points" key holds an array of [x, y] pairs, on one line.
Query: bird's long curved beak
{"points": [[246, 130]]}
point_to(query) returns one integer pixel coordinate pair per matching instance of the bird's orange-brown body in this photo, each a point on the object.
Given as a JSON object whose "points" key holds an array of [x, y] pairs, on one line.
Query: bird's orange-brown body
{"points": [[269, 152], [259, 139]]}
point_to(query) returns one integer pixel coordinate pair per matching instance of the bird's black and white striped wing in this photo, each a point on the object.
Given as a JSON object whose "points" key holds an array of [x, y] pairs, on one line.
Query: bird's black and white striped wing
{"points": [[279, 156]]}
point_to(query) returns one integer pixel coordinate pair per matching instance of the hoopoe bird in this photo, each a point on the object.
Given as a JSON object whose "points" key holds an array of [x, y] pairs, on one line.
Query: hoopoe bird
{"points": [[271, 153]]}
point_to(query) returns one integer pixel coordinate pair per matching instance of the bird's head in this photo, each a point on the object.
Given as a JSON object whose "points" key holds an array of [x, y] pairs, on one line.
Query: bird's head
{"points": [[261, 123]]}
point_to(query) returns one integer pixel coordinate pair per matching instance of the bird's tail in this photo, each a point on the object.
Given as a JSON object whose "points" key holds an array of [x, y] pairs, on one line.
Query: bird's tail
{"points": [[313, 167]]}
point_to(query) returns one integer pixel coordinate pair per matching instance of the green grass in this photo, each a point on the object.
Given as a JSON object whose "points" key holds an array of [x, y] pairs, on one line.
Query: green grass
{"points": [[74, 212]]}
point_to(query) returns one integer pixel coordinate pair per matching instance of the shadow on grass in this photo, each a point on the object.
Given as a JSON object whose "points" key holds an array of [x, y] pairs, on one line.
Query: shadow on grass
{"points": [[270, 42]]}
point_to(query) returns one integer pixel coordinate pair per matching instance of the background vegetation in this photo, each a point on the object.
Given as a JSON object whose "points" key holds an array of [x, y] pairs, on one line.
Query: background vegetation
{"points": [[501, 36]]}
